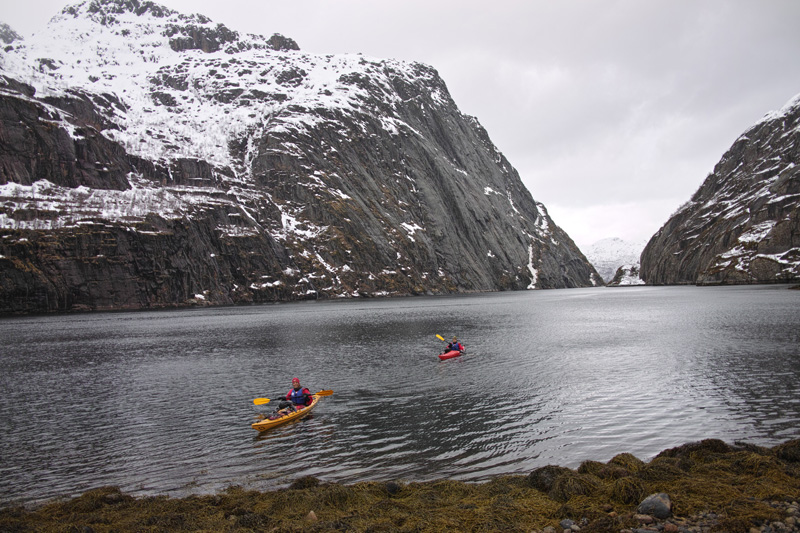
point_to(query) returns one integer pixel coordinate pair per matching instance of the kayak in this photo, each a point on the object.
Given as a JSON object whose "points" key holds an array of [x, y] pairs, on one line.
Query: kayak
{"points": [[285, 415], [449, 355]]}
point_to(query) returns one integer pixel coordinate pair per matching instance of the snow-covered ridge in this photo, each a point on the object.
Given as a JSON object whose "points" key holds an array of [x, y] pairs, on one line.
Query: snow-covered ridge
{"points": [[174, 100], [186, 102], [787, 109]]}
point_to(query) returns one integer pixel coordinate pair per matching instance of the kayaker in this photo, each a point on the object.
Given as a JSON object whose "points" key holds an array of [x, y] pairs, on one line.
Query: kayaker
{"points": [[454, 346], [297, 397]]}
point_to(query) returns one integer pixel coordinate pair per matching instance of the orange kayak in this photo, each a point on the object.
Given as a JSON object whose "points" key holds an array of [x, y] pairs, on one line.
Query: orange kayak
{"points": [[285, 415]]}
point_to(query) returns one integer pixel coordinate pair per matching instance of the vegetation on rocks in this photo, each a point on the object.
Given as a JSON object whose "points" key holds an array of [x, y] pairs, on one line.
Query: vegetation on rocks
{"points": [[710, 485]]}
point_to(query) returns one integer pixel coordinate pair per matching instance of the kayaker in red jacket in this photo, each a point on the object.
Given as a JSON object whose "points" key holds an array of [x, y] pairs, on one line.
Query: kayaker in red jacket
{"points": [[299, 396]]}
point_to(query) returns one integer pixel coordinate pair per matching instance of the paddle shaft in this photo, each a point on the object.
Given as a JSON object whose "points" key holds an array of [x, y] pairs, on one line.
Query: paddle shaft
{"points": [[262, 401]]}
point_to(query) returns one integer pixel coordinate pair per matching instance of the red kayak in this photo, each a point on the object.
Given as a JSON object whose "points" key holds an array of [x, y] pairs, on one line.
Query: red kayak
{"points": [[449, 355]]}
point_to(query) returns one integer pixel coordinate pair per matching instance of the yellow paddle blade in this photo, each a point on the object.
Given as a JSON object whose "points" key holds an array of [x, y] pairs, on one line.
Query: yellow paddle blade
{"points": [[439, 337], [325, 392], [261, 401]]}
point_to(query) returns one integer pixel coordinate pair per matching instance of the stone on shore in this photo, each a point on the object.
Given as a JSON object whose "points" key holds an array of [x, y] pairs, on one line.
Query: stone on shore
{"points": [[658, 505]]}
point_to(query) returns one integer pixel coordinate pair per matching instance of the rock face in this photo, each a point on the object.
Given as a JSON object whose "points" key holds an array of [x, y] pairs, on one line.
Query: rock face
{"points": [[7, 34], [157, 159], [743, 224]]}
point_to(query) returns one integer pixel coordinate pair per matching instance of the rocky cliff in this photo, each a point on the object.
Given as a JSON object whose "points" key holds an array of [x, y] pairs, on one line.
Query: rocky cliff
{"points": [[151, 158], [743, 224]]}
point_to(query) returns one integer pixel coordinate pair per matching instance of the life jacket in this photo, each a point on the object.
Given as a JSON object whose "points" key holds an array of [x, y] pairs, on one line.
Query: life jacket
{"points": [[300, 396]]}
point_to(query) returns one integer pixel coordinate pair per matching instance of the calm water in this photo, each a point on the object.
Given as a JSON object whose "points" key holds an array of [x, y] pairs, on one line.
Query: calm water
{"points": [[161, 402]]}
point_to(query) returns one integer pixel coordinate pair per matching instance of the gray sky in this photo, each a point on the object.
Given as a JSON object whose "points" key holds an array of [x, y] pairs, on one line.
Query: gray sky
{"points": [[613, 112]]}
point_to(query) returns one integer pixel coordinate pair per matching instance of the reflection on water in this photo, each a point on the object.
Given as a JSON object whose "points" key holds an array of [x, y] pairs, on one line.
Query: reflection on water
{"points": [[161, 402]]}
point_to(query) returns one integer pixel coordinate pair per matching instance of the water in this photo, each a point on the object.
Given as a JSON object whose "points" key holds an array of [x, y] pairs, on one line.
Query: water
{"points": [[161, 402]]}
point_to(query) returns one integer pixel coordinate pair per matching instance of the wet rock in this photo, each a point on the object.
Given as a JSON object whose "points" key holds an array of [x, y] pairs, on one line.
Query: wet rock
{"points": [[658, 505]]}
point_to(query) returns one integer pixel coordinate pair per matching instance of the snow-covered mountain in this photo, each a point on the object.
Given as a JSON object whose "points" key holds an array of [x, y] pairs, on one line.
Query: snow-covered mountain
{"points": [[743, 224], [153, 158], [607, 255], [626, 275]]}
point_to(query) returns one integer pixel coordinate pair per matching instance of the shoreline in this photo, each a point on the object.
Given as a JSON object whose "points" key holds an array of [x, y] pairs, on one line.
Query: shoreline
{"points": [[705, 486], [790, 285]]}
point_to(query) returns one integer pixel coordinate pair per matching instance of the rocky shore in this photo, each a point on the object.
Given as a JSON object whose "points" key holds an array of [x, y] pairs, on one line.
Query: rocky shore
{"points": [[707, 486]]}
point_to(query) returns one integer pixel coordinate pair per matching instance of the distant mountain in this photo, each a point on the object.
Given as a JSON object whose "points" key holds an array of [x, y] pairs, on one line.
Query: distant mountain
{"points": [[153, 159], [607, 255], [626, 275], [743, 224]]}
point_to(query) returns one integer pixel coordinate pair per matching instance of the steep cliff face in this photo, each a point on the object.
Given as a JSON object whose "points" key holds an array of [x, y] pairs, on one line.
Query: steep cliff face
{"points": [[151, 158], [743, 224]]}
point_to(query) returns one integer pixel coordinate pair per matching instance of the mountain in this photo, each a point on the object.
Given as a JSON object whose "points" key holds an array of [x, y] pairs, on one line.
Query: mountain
{"points": [[153, 159], [607, 255], [742, 225], [626, 275]]}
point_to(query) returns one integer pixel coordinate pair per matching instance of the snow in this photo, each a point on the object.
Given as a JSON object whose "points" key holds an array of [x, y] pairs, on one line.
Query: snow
{"points": [[787, 108], [534, 272], [131, 56], [758, 232], [411, 228], [607, 255]]}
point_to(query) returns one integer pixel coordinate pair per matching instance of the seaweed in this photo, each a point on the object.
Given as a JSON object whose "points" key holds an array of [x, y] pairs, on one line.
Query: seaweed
{"points": [[723, 487]]}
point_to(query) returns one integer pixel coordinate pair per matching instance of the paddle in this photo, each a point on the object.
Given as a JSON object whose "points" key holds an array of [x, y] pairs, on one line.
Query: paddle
{"points": [[262, 401]]}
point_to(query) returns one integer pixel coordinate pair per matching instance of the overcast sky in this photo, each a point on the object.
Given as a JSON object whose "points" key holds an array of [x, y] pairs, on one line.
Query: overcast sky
{"points": [[613, 112]]}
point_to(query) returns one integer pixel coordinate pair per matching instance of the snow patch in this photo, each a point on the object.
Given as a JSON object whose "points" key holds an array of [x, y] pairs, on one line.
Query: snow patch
{"points": [[534, 272]]}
